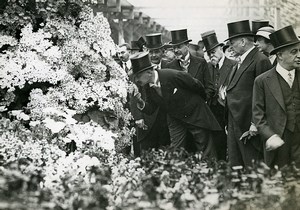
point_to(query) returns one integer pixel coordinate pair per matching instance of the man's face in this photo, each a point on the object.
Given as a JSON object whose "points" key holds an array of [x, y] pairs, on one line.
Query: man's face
{"points": [[169, 54], [229, 53], [155, 55], [289, 57], [124, 54], [236, 45], [261, 44], [181, 50], [215, 55], [142, 78]]}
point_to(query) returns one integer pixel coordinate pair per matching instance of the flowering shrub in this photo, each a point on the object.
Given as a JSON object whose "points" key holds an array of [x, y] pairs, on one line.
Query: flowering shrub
{"points": [[62, 60]]}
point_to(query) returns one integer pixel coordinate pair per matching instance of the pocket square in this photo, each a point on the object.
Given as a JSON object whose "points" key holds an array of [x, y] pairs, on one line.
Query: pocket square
{"points": [[175, 90]]}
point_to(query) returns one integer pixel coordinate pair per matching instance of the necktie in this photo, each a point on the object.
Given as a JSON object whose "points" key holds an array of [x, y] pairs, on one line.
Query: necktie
{"points": [[184, 64], [290, 79]]}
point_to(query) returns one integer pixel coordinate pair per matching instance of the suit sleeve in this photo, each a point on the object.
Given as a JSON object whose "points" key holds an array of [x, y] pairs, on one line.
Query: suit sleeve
{"points": [[150, 105], [186, 81], [208, 82], [258, 110]]}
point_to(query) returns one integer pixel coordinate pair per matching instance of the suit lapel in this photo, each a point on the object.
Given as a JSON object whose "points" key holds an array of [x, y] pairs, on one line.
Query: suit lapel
{"points": [[225, 71], [246, 63], [274, 86]]}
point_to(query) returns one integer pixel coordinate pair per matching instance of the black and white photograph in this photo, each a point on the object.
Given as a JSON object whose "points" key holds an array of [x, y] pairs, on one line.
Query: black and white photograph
{"points": [[149, 105]]}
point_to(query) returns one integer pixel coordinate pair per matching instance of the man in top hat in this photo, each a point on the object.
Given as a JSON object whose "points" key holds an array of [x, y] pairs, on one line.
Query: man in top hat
{"points": [[185, 61], [156, 133], [219, 68], [156, 49], [181, 96], [276, 101], [242, 151], [263, 42]]}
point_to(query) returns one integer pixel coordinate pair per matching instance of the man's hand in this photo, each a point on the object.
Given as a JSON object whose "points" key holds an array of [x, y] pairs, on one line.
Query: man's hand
{"points": [[252, 130], [222, 95], [274, 142], [141, 124]]}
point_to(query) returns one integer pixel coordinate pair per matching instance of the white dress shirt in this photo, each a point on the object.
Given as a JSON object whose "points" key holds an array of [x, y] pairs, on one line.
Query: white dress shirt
{"points": [[288, 76]]}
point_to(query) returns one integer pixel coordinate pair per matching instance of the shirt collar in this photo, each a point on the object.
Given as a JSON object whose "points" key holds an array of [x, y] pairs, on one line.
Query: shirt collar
{"points": [[283, 72], [272, 58], [155, 82], [186, 58], [157, 66], [245, 54]]}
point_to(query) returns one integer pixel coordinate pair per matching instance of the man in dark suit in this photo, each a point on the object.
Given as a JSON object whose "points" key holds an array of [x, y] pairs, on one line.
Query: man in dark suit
{"points": [[239, 95], [185, 61], [152, 130], [219, 67], [276, 101], [179, 95]]}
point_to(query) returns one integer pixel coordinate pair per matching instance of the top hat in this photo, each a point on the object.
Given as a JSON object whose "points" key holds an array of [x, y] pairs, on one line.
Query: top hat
{"points": [[154, 41], [257, 24], [283, 38], [239, 28], [135, 45], [140, 62], [179, 37], [141, 42], [265, 32], [210, 40]]}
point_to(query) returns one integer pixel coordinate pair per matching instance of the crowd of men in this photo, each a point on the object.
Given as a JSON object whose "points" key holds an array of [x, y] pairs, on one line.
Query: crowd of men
{"points": [[241, 105]]}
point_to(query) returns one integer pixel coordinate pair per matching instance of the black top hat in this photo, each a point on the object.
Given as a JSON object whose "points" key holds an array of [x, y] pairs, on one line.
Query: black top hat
{"points": [[141, 42], [135, 45], [283, 38], [179, 37], [210, 40], [154, 41], [239, 28], [140, 62], [257, 24]]}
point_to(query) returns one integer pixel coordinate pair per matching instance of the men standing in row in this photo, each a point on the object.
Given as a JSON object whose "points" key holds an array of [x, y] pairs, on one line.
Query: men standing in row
{"points": [[276, 101], [181, 96], [196, 67], [220, 68], [239, 94]]}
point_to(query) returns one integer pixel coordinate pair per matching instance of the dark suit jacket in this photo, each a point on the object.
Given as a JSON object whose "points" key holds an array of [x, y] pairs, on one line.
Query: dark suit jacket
{"points": [[240, 89], [225, 71], [198, 68], [269, 110], [182, 98]]}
